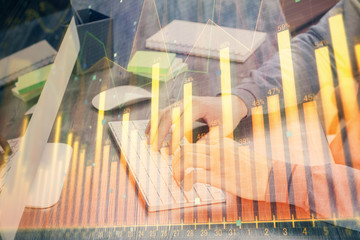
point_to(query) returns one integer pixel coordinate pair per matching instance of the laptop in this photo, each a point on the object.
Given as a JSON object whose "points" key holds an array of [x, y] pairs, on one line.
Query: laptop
{"points": [[25, 162]]}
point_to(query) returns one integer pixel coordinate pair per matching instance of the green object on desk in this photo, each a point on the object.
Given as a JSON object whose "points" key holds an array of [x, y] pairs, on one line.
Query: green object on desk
{"points": [[33, 80], [27, 96], [143, 61]]}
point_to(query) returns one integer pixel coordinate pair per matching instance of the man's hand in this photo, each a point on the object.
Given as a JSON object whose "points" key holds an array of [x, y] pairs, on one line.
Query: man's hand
{"points": [[226, 163], [352, 140], [207, 109]]}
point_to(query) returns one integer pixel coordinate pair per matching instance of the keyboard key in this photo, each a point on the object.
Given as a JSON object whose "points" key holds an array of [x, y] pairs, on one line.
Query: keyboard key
{"points": [[202, 192], [191, 195], [216, 193], [177, 192]]}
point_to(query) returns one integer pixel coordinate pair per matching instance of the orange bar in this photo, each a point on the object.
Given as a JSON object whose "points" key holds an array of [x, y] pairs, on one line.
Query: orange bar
{"points": [[214, 134], [155, 105], [291, 109], [260, 148], [246, 204], [131, 200], [112, 194], [277, 151], [58, 212], [327, 90], [122, 172], [226, 92], [86, 197], [345, 76], [313, 131], [75, 213], [343, 66], [175, 137], [69, 187], [357, 54], [122, 192], [104, 185], [95, 178], [188, 112], [55, 165]]}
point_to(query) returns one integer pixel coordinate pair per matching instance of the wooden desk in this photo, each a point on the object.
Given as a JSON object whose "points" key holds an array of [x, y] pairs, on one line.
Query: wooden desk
{"points": [[99, 190]]}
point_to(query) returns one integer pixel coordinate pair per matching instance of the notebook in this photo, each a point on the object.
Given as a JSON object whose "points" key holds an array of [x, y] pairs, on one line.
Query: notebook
{"points": [[206, 40], [170, 66], [33, 80], [29, 59], [142, 61]]}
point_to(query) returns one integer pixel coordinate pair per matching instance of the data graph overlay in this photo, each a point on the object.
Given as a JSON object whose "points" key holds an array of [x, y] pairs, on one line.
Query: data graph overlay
{"points": [[259, 147], [155, 105], [277, 150], [343, 65], [327, 90], [291, 106], [227, 114], [346, 80]]}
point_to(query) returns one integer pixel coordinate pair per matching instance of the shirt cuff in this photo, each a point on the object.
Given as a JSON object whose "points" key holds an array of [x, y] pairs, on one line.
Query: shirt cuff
{"points": [[246, 96]]}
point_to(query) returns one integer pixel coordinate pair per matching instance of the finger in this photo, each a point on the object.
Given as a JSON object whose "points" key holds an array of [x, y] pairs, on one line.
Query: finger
{"points": [[212, 137], [197, 175], [189, 159], [163, 128], [187, 129], [175, 135], [147, 129]]}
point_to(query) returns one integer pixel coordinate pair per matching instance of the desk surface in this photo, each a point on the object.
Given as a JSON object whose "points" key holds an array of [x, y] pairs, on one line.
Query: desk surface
{"points": [[100, 195]]}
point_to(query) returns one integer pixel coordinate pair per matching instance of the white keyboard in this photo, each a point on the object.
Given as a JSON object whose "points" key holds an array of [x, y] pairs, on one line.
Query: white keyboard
{"points": [[153, 174]]}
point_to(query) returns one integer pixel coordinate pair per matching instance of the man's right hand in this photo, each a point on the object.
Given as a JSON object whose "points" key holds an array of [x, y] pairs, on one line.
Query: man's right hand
{"points": [[207, 109]]}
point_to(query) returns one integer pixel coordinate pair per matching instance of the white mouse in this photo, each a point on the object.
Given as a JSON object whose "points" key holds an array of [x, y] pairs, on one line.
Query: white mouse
{"points": [[120, 96]]}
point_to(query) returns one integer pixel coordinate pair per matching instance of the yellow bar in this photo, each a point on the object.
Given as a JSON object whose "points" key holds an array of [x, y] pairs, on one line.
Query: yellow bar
{"points": [[69, 138], [176, 131], [154, 105], [55, 164], [327, 90], [188, 111], [125, 132], [343, 66], [313, 132], [100, 128], [226, 92], [259, 143], [97, 157], [58, 128], [71, 186], [357, 53], [290, 101], [291, 108], [315, 147], [276, 133], [287, 71], [277, 150], [24, 126], [20, 166], [246, 187], [125, 129]]}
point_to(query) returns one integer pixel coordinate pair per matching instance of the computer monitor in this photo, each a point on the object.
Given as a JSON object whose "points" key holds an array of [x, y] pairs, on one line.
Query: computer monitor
{"points": [[26, 161]]}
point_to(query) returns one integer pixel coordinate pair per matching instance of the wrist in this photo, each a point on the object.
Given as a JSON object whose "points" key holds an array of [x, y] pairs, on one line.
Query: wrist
{"points": [[239, 104]]}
